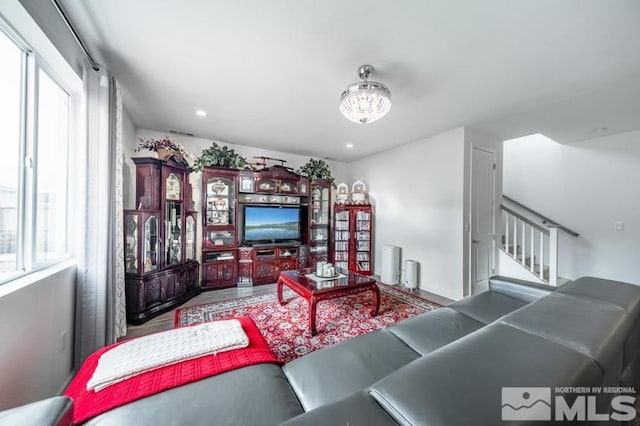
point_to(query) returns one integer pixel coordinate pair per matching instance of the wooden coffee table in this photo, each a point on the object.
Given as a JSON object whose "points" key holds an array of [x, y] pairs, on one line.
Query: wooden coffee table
{"points": [[315, 291]]}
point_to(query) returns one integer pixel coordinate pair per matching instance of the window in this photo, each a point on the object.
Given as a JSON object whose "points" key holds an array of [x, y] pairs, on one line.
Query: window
{"points": [[35, 116], [51, 167], [10, 117]]}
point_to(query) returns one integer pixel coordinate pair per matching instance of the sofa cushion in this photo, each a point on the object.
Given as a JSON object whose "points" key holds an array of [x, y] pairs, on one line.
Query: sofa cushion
{"points": [[461, 383], [525, 291], [56, 411], [624, 295], [258, 394], [430, 331], [357, 409], [487, 307], [336, 371], [586, 325]]}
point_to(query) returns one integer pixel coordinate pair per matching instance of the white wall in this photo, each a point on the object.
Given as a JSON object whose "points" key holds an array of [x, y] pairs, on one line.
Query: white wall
{"points": [[36, 311], [128, 167], [418, 197], [586, 186]]}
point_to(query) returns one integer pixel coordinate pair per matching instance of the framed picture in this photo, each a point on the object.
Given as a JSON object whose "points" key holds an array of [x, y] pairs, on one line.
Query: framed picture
{"points": [[246, 183]]}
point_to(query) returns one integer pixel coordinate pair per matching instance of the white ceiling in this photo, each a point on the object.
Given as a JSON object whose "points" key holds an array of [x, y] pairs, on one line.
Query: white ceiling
{"points": [[270, 73]]}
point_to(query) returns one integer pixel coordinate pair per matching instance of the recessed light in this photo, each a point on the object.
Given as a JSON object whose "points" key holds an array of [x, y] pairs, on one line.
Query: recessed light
{"points": [[349, 145], [201, 113]]}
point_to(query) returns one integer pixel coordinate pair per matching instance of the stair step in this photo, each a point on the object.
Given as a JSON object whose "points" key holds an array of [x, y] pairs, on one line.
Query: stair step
{"points": [[527, 263]]}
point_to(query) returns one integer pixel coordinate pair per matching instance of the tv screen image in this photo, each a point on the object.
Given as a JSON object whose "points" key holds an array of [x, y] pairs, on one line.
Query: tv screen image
{"points": [[263, 223]]}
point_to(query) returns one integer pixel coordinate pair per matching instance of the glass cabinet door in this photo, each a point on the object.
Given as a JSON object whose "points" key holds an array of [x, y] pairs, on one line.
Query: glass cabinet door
{"points": [[320, 206], [319, 221], [131, 243], [190, 239], [173, 233], [218, 238], [220, 202], [142, 241], [319, 235], [150, 248]]}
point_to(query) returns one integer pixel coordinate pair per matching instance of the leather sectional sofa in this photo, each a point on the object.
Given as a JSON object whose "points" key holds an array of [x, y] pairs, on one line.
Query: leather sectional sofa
{"points": [[445, 367]]}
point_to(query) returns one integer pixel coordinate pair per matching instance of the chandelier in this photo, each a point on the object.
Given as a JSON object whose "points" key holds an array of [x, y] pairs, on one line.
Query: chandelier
{"points": [[365, 101]]}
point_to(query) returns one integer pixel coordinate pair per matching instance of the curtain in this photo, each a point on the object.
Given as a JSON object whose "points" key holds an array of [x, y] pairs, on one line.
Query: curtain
{"points": [[116, 298], [100, 315]]}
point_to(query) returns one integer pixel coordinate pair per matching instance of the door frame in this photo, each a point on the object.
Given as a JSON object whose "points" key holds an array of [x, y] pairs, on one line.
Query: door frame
{"points": [[470, 233]]}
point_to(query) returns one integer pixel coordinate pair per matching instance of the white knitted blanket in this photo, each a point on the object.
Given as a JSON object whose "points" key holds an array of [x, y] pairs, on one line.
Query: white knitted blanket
{"points": [[170, 347]]}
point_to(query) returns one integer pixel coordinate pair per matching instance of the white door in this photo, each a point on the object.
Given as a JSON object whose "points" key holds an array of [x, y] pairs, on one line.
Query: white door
{"points": [[482, 218]]}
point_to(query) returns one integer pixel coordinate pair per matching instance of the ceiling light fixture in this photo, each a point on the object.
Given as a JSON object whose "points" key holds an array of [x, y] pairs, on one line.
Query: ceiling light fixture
{"points": [[365, 101], [349, 145], [201, 113]]}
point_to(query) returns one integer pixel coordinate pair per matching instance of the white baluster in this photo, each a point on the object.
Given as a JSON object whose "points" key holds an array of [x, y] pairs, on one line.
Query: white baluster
{"points": [[506, 231], [533, 248], [553, 255], [515, 238], [524, 243], [541, 260]]}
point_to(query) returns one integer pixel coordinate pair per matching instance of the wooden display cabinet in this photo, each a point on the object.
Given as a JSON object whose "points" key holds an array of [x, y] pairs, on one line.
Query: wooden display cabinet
{"points": [[352, 242], [160, 267], [319, 222], [219, 240]]}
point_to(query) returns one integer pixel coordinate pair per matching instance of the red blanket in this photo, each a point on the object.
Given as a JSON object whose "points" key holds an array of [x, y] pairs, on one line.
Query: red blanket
{"points": [[88, 404]]}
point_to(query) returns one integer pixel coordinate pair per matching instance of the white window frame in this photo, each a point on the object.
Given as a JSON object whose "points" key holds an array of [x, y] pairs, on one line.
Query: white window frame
{"points": [[40, 56]]}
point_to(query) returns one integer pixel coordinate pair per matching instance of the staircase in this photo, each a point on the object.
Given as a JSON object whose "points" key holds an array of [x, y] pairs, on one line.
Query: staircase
{"points": [[531, 240]]}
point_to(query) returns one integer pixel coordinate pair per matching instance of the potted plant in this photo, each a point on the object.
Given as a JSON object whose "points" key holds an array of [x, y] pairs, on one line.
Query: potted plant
{"points": [[221, 156], [164, 147], [317, 169]]}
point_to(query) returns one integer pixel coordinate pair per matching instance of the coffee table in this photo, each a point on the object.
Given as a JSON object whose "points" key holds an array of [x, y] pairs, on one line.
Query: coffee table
{"points": [[315, 291]]}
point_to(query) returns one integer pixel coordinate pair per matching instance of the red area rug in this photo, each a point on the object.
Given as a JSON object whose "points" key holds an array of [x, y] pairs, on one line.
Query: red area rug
{"points": [[285, 327]]}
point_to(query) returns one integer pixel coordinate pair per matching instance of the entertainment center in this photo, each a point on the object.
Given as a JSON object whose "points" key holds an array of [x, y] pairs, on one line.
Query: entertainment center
{"points": [[255, 224], [259, 223]]}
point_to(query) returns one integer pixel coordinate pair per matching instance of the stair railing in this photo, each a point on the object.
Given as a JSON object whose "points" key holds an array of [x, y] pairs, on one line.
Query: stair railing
{"points": [[545, 220], [524, 240], [536, 239]]}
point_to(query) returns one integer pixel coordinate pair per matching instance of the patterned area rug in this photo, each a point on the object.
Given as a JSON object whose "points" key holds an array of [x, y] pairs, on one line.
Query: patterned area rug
{"points": [[285, 327]]}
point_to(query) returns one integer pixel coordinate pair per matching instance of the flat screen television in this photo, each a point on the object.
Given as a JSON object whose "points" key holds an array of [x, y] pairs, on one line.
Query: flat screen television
{"points": [[270, 224]]}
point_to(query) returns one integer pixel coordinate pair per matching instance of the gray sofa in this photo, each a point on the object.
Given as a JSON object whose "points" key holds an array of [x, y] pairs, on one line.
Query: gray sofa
{"points": [[447, 366]]}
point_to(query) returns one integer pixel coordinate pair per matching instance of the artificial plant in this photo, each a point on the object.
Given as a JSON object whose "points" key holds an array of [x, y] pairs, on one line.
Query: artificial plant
{"points": [[164, 143], [317, 169], [221, 156]]}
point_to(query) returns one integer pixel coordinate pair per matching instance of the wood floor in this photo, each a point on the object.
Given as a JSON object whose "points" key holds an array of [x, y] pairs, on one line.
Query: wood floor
{"points": [[165, 321]]}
